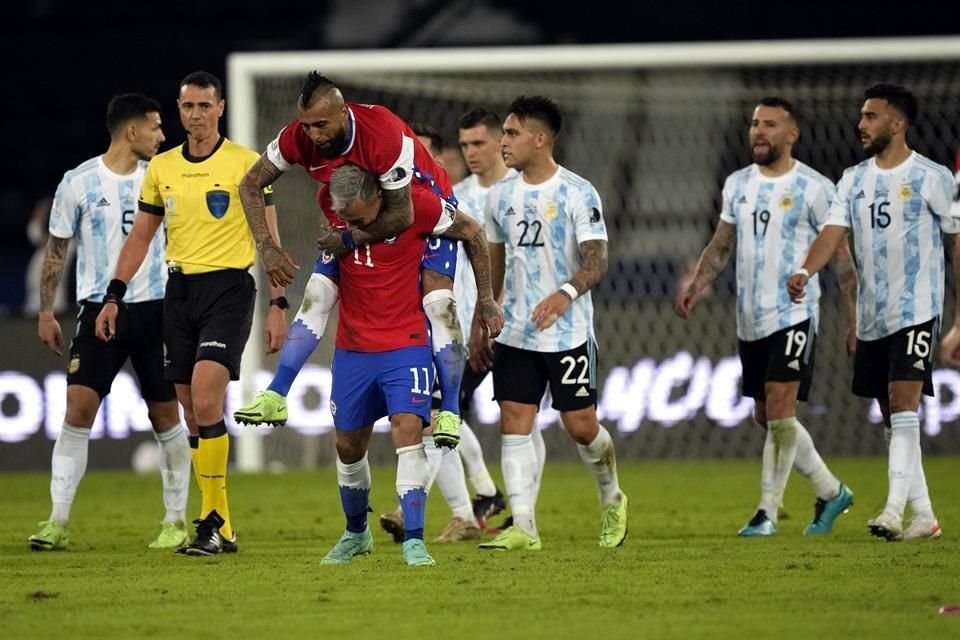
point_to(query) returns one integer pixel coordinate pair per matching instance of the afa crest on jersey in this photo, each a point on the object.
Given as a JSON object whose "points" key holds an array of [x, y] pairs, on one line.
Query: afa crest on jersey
{"points": [[905, 192], [786, 202], [550, 213]]}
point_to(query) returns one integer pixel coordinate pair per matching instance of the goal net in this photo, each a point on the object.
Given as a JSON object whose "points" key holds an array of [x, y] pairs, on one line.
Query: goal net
{"points": [[656, 129]]}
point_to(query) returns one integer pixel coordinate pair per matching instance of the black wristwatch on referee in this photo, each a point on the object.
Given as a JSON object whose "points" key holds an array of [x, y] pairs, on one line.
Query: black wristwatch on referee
{"points": [[280, 301]]}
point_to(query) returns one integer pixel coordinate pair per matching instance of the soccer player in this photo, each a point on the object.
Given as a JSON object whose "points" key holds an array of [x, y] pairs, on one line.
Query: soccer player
{"points": [[897, 206], [96, 203], [772, 211], [333, 132], [209, 301], [479, 138], [548, 248], [382, 363]]}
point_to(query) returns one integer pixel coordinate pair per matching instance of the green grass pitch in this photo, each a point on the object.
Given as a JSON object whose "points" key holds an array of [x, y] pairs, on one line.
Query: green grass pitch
{"points": [[682, 573]]}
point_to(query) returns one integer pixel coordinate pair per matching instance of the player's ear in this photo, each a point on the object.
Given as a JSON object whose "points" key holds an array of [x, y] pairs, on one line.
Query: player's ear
{"points": [[223, 105]]}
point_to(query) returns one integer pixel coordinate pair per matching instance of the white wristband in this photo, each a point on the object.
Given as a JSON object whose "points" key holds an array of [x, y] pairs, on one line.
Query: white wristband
{"points": [[802, 271], [570, 290]]}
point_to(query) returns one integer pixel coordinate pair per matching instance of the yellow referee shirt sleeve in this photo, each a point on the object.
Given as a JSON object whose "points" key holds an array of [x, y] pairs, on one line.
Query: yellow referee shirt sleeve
{"points": [[150, 199]]}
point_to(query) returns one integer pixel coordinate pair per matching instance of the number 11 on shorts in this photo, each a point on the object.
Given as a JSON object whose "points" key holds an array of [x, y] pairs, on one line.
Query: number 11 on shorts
{"points": [[427, 387]]}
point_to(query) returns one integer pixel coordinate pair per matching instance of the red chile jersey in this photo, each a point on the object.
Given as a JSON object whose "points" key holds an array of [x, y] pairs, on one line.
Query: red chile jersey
{"points": [[378, 141], [380, 296]]}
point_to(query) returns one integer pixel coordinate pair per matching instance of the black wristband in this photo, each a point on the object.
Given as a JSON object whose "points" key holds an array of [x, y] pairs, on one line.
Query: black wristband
{"points": [[117, 289], [280, 301], [347, 238]]}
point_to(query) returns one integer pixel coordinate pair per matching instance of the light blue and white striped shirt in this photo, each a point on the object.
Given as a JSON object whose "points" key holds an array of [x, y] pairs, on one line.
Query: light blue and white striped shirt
{"points": [[897, 218], [777, 220], [98, 207], [542, 226]]}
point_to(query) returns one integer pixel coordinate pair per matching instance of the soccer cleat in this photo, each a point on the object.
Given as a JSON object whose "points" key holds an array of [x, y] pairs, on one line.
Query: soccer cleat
{"points": [[51, 537], [887, 526], [826, 511], [922, 529], [208, 541], [458, 530], [349, 546], [446, 430], [392, 523], [485, 507], [173, 535], [506, 524], [268, 407], [759, 526], [230, 546], [512, 539], [415, 553], [613, 523]]}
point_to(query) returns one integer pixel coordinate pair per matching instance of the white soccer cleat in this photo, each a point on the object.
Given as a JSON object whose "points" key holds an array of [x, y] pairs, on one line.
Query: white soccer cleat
{"points": [[887, 526], [922, 529]]}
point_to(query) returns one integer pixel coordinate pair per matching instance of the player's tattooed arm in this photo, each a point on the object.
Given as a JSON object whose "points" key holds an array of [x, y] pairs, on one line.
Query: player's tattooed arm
{"points": [[53, 260], [714, 258], [396, 216], [593, 254], [474, 238], [280, 267]]}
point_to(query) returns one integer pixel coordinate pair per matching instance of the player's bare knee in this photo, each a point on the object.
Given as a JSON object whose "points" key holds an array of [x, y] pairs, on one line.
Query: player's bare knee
{"points": [[432, 281], [82, 406], [163, 415], [582, 425], [781, 400], [350, 446]]}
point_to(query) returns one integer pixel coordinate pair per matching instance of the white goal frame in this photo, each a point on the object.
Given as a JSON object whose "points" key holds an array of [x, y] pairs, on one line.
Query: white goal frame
{"points": [[243, 69]]}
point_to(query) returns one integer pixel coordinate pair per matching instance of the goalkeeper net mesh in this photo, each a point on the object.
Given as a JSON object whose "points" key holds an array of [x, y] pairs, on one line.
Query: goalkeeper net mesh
{"points": [[657, 144]]}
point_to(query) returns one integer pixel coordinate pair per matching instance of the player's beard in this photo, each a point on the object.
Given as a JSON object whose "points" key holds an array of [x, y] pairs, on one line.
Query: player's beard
{"points": [[335, 145], [877, 144], [768, 157]]}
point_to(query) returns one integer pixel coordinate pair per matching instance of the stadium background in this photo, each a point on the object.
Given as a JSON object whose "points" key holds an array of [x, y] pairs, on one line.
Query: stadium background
{"points": [[656, 144]]}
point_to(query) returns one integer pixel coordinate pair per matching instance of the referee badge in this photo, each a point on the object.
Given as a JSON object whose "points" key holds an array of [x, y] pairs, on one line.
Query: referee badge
{"points": [[74, 365], [218, 202], [906, 191]]}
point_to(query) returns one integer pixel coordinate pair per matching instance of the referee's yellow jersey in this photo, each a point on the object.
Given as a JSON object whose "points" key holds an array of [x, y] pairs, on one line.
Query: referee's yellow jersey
{"points": [[200, 201]]}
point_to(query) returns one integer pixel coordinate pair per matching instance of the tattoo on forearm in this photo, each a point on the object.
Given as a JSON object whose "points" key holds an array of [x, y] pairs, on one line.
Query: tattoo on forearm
{"points": [[396, 216], [53, 259], [714, 257], [474, 241], [847, 278], [260, 175], [593, 253]]}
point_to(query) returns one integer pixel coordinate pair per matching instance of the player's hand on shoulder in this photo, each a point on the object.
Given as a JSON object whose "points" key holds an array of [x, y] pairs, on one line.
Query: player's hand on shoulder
{"points": [[950, 347], [549, 310], [50, 333], [331, 240], [796, 285]]}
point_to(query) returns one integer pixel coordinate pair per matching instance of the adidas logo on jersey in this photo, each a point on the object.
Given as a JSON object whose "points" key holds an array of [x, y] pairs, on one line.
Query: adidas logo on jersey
{"points": [[103, 203], [742, 200], [860, 195], [510, 212], [582, 392], [918, 365], [794, 364]]}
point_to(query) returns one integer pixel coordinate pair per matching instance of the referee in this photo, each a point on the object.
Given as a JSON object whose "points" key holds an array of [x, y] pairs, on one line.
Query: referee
{"points": [[209, 300]]}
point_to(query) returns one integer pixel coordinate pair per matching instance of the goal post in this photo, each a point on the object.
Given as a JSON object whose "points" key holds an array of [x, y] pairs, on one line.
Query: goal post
{"points": [[656, 128]]}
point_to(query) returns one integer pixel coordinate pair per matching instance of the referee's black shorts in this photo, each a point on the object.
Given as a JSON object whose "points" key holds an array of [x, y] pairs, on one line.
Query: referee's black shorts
{"points": [[207, 316]]}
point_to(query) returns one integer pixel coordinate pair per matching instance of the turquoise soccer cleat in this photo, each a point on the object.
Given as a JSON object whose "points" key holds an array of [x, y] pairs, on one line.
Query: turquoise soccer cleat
{"points": [[760, 526], [349, 546], [415, 553], [825, 512]]}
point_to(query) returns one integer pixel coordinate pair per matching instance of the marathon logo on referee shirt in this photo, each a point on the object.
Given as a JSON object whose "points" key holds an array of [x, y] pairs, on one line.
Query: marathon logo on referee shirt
{"points": [[213, 343], [218, 202]]}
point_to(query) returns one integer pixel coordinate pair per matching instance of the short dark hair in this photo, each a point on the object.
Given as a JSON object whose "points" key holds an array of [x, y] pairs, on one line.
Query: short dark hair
{"points": [[897, 96], [782, 103], [539, 108], [479, 116], [426, 131], [204, 80], [315, 81], [126, 107]]}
